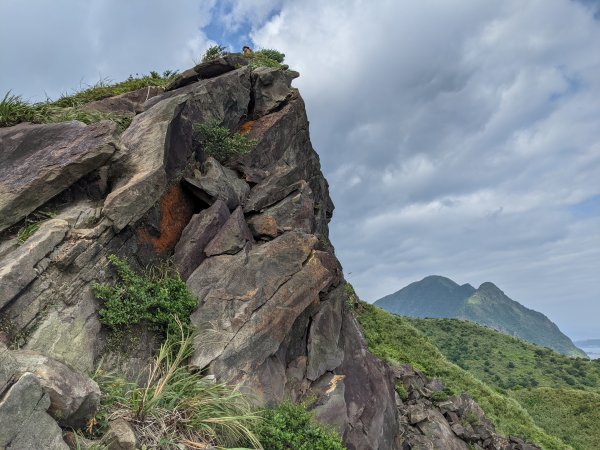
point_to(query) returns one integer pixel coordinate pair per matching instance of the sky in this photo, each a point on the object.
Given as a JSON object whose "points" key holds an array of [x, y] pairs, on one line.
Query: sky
{"points": [[459, 137]]}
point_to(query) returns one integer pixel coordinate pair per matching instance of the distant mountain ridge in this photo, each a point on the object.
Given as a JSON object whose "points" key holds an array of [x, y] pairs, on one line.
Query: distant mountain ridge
{"points": [[440, 297]]}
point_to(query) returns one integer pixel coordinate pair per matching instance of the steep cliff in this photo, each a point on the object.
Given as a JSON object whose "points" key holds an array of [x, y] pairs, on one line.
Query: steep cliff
{"points": [[249, 236]]}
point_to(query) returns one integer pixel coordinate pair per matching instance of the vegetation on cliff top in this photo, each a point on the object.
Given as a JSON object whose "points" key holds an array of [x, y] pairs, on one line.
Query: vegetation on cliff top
{"points": [[14, 109], [395, 339]]}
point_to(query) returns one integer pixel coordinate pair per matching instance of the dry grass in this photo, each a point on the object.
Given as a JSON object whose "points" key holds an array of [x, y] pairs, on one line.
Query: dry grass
{"points": [[176, 407]]}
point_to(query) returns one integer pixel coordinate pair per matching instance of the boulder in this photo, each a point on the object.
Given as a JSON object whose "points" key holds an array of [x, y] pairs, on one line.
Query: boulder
{"points": [[120, 436], [25, 423], [263, 226], [232, 237], [74, 397], [189, 251], [38, 162], [218, 183]]}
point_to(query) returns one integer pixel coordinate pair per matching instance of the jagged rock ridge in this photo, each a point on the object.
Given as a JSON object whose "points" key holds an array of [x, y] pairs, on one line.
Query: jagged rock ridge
{"points": [[250, 236]]}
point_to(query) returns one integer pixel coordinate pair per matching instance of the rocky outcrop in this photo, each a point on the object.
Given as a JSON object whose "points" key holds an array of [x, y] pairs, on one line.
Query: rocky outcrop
{"points": [[249, 235], [208, 69], [431, 419]]}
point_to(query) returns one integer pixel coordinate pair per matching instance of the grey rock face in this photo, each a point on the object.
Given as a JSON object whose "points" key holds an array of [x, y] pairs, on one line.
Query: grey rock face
{"points": [[207, 70], [189, 252], [129, 103], [25, 423], [39, 161], [272, 87], [324, 345], [19, 266], [232, 237], [158, 144], [218, 183]]}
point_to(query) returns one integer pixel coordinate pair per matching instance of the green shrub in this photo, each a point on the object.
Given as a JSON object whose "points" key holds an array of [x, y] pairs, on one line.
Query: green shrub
{"points": [[291, 427], [14, 110], [272, 54], [214, 52], [573, 415], [217, 141], [401, 391], [265, 58], [154, 297]]}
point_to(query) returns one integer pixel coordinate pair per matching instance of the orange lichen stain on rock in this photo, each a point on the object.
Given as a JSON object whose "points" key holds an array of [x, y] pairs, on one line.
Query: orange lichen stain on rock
{"points": [[247, 127], [176, 210]]}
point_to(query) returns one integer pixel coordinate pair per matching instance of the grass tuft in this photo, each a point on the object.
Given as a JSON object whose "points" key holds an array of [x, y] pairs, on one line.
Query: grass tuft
{"points": [[32, 224], [176, 408], [15, 110], [265, 58]]}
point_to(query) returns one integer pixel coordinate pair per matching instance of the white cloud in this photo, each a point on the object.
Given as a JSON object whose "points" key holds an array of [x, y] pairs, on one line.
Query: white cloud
{"points": [[54, 47]]}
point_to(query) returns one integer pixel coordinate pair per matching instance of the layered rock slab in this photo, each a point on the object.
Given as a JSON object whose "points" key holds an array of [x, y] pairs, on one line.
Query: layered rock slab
{"points": [[250, 301], [38, 162]]}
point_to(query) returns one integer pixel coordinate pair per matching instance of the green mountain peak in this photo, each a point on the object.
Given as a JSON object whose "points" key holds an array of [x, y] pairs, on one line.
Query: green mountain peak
{"points": [[440, 297]]}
